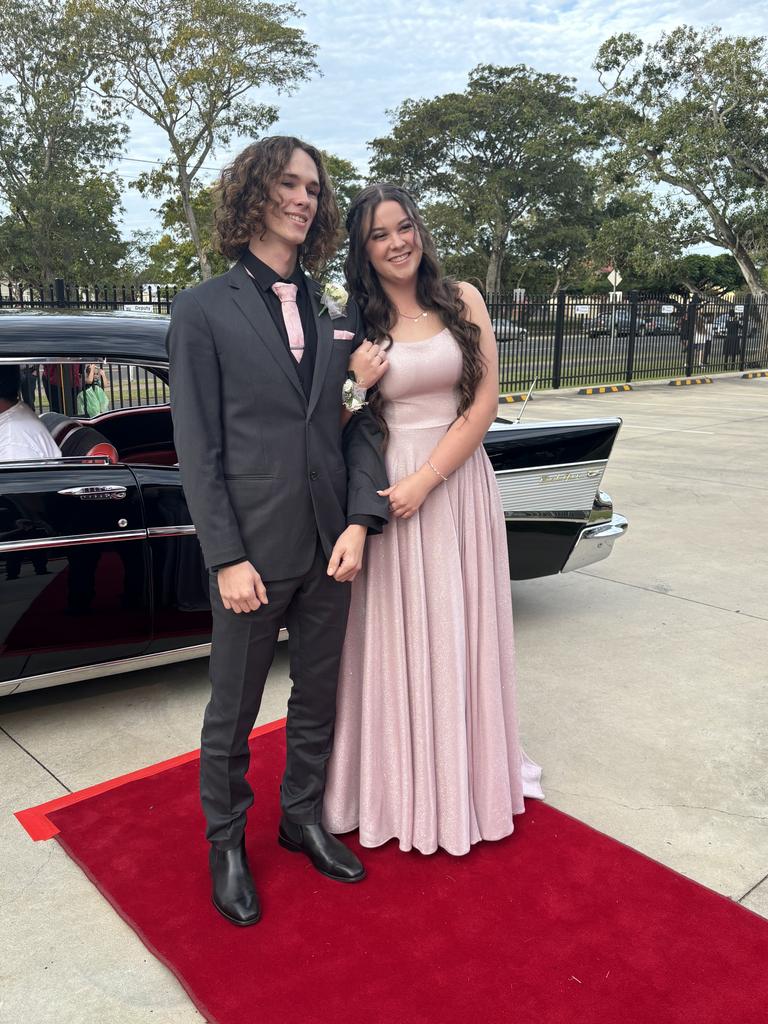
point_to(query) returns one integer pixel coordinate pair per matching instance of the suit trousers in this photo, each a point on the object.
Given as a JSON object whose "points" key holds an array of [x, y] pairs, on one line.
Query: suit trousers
{"points": [[314, 608]]}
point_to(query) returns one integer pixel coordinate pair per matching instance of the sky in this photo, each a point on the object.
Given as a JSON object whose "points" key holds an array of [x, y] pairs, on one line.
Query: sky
{"points": [[374, 54]]}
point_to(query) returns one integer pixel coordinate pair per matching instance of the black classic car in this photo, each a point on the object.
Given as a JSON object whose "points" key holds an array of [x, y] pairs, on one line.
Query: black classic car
{"points": [[100, 568]]}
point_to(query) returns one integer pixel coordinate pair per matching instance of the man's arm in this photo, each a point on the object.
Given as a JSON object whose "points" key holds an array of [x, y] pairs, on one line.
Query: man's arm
{"points": [[195, 379], [362, 442]]}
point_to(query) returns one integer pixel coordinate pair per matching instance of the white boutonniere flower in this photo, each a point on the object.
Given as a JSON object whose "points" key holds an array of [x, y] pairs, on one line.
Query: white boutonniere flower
{"points": [[334, 302], [352, 395]]}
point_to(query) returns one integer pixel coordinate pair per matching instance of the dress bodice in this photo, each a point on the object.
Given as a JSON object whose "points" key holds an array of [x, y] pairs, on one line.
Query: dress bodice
{"points": [[420, 388]]}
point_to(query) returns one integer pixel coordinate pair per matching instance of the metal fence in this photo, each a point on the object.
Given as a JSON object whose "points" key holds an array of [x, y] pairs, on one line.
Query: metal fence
{"points": [[61, 295], [573, 340], [559, 341]]}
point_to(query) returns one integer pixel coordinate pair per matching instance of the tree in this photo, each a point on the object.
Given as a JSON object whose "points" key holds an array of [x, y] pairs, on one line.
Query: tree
{"points": [[54, 140], [689, 114], [347, 182], [188, 66], [503, 153]]}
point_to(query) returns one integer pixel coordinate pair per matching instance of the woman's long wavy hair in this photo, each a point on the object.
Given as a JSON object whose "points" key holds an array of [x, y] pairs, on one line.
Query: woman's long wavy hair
{"points": [[244, 192], [433, 290]]}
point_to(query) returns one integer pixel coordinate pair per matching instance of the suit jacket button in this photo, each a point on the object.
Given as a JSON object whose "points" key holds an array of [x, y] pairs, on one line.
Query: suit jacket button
{"points": [[313, 475]]}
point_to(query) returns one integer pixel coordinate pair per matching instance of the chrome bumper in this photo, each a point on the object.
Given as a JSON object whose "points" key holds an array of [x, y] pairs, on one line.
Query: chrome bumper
{"points": [[596, 542]]}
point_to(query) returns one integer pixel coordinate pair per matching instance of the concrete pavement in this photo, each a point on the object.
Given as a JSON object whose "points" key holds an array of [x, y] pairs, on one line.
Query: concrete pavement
{"points": [[642, 689]]}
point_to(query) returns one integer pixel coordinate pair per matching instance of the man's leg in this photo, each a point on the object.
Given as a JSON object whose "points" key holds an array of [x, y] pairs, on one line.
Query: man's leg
{"points": [[242, 649], [317, 623], [316, 620]]}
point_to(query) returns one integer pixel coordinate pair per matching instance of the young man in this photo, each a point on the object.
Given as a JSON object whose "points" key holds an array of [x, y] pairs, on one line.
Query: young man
{"points": [[281, 504], [22, 435]]}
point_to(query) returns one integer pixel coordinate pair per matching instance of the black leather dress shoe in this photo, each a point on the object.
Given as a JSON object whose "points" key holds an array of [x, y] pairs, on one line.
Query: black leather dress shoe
{"points": [[328, 854], [234, 894]]}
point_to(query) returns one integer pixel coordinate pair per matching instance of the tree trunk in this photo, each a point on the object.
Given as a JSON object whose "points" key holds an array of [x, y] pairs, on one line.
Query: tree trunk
{"points": [[186, 201], [495, 261], [725, 235]]}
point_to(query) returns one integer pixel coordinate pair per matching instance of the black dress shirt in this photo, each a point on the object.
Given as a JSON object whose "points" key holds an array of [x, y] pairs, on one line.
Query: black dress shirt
{"points": [[264, 277]]}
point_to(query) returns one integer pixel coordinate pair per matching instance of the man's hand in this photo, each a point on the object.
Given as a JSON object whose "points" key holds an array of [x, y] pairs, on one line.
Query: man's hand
{"points": [[241, 588], [368, 363], [347, 555]]}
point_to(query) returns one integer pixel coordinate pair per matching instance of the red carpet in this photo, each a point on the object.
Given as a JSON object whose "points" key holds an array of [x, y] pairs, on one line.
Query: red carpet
{"points": [[557, 924]]}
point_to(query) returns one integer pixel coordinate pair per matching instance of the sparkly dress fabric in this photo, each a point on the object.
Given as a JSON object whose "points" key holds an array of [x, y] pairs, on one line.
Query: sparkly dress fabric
{"points": [[426, 747]]}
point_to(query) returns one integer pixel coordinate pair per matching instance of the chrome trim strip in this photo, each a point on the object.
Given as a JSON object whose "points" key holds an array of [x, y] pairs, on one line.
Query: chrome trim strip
{"points": [[36, 543], [109, 668], [542, 517], [552, 467], [172, 531], [64, 462], [534, 424]]}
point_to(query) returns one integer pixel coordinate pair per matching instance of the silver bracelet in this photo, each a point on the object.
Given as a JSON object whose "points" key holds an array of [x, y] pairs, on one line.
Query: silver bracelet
{"points": [[436, 470]]}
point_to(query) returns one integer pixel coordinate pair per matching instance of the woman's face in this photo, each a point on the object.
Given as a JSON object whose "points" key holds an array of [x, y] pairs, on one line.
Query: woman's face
{"points": [[394, 244]]}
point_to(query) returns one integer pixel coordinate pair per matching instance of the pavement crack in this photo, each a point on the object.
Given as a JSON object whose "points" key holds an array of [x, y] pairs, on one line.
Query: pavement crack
{"points": [[661, 807], [752, 889], [674, 597], [29, 753]]}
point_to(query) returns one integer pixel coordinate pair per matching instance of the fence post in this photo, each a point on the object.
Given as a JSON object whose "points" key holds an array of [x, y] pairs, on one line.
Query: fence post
{"points": [[58, 290], [693, 316], [557, 355], [745, 332], [632, 335]]}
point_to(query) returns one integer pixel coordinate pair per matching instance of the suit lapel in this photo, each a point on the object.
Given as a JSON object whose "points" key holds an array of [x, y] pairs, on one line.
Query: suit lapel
{"points": [[324, 328], [246, 295]]}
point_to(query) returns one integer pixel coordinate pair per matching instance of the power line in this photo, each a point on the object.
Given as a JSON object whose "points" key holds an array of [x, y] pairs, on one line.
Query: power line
{"points": [[138, 160]]}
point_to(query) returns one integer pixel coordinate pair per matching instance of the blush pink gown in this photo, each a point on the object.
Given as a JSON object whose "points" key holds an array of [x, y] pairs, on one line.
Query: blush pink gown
{"points": [[426, 747]]}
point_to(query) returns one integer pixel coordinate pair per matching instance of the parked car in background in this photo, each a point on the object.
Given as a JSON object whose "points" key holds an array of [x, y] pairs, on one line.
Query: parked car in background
{"points": [[507, 330], [659, 324], [100, 568], [613, 320]]}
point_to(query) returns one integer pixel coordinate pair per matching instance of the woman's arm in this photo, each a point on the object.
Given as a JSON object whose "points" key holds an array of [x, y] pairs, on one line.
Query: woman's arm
{"points": [[466, 433]]}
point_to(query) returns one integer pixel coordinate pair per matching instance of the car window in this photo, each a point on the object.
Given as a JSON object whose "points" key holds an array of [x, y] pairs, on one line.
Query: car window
{"points": [[87, 390]]}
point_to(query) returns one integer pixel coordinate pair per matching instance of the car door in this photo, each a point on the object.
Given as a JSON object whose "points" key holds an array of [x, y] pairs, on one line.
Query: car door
{"points": [[74, 567]]}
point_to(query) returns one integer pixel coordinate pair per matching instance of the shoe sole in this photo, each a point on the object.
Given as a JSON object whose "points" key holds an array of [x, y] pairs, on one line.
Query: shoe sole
{"points": [[292, 847], [234, 920]]}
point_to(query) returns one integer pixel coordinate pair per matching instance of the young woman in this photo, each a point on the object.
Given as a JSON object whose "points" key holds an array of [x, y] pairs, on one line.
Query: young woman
{"points": [[426, 746]]}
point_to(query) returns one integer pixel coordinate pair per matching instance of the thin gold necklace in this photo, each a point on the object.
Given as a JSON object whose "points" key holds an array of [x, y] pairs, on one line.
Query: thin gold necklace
{"points": [[405, 316]]}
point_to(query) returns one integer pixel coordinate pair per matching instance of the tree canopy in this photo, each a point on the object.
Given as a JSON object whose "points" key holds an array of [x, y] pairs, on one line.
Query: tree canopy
{"points": [[190, 67], [689, 114], [54, 142]]}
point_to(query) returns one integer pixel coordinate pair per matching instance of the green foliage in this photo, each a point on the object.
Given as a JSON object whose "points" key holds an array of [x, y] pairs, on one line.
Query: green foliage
{"points": [[689, 113], [190, 67], [491, 163], [60, 211], [347, 182]]}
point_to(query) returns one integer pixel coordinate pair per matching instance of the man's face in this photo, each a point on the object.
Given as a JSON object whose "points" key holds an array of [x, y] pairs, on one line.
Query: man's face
{"points": [[294, 201]]}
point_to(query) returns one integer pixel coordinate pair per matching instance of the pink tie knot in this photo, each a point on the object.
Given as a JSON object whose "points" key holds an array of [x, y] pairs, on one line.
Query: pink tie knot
{"points": [[285, 292]]}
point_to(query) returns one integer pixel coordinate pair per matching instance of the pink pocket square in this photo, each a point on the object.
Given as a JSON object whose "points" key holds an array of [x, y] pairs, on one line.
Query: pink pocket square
{"points": [[343, 335]]}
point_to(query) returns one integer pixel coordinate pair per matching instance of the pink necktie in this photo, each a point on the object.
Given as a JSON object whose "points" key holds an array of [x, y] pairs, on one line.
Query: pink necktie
{"points": [[287, 295]]}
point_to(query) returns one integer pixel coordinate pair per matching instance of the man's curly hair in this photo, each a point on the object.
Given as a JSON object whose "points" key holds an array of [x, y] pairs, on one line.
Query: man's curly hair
{"points": [[243, 194]]}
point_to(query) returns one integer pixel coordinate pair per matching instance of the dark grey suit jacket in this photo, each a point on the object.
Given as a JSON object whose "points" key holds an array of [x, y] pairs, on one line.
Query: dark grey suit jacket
{"points": [[265, 471]]}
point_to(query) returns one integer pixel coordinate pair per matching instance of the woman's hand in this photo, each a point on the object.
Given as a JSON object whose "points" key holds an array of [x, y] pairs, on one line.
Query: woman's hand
{"points": [[368, 363], [408, 495]]}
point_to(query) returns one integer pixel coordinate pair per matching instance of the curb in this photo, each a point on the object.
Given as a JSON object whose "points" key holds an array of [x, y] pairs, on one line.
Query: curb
{"points": [[679, 381], [515, 397], [606, 389], [754, 374]]}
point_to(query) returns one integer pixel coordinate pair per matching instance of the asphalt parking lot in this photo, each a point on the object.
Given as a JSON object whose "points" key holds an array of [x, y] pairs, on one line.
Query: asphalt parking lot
{"points": [[642, 687]]}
